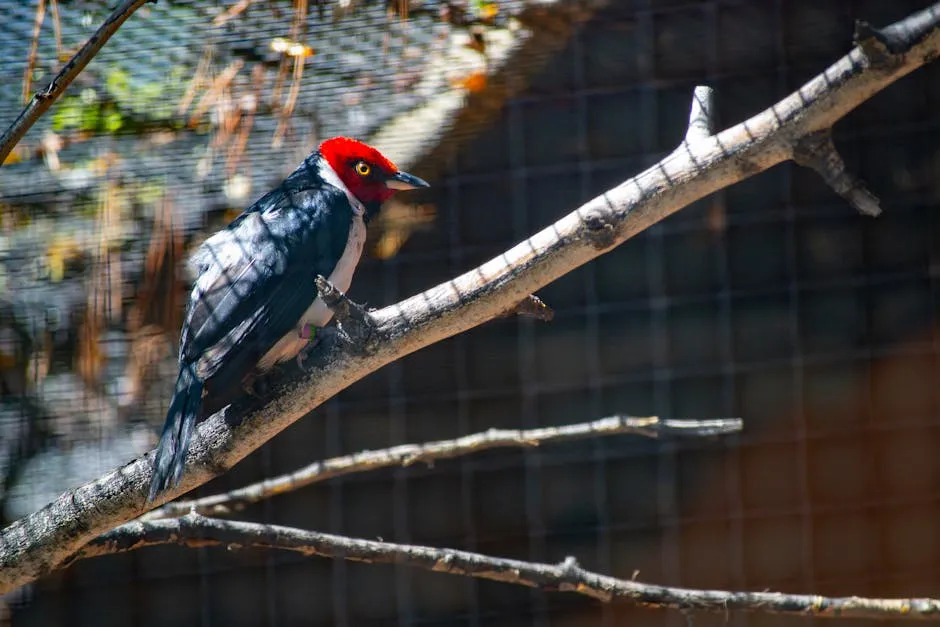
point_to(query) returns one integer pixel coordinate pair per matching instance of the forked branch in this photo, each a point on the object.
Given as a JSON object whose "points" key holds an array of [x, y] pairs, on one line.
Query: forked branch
{"points": [[816, 151], [39, 542]]}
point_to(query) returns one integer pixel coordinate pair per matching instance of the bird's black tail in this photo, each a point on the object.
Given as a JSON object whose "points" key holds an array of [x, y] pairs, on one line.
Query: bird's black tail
{"points": [[170, 457]]}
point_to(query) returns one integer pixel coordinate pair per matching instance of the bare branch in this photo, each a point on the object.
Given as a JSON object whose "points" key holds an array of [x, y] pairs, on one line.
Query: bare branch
{"points": [[702, 115], [44, 98], [57, 31], [196, 530], [817, 151], [407, 454], [36, 544]]}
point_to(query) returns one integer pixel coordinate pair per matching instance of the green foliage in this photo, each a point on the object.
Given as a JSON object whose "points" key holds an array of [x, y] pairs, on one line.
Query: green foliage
{"points": [[113, 121], [118, 84], [68, 114], [121, 103], [150, 192]]}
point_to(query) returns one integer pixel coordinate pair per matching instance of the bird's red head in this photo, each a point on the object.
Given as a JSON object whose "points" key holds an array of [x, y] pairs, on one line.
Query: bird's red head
{"points": [[369, 175]]}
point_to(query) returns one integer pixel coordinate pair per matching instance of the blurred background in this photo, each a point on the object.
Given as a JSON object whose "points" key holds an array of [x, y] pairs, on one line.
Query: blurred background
{"points": [[772, 300]]}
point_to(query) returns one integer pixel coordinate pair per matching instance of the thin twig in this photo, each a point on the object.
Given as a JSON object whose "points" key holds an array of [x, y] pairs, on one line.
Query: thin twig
{"points": [[198, 79], [215, 90], [44, 98], [198, 531], [297, 32], [33, 49], [232, 11], [407, 454], [57, 30], [250, 104]]}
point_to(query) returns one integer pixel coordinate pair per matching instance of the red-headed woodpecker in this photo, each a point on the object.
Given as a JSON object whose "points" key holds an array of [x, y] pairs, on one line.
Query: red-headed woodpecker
{"points": [[255, 294]]}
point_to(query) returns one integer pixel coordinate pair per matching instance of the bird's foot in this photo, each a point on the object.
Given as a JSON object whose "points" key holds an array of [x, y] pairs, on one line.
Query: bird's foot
{"points": [[248, 385], [258, 383], [264, 380], [355, 321], [309, 333]]}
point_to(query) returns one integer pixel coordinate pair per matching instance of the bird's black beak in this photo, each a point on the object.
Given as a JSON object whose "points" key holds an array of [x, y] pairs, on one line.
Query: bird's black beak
{"points": [[403, 181]]}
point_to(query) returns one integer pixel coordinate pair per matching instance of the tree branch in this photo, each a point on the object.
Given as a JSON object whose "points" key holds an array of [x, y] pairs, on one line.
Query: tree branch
{"points": [[817, 152], [36, 544], [407, 454], [702, 115], [44, 98], [198, 531]]}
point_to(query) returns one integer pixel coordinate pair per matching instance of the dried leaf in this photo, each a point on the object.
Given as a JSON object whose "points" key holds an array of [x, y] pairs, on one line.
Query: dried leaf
{"points": [[401, 8], [397, 223], [488, 11], [57, 29], [231, 213], [58, 254], [15, 156], [342, 8], [232, 11], [390, 243], [159, 300], [150, 345], [477, 41], [215, 91], [33, 49], [291, 48], [453, 13], [89, 360], [474, 83]]}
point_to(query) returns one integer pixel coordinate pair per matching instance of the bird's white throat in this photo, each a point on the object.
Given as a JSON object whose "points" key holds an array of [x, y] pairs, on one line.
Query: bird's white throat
{"points": [[328, 174]]}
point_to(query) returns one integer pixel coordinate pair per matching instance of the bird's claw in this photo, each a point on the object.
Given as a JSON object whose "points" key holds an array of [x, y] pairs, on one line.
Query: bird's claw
{"points": [[248, 385], [258, 383], [309, 333]]}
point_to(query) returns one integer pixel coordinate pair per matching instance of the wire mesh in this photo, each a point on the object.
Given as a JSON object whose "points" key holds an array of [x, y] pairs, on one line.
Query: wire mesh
{"points": [[771, 300]]}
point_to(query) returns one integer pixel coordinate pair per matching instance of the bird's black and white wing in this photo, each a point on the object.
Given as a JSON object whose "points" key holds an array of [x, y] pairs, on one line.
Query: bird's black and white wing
{"points": [[256, 278]]}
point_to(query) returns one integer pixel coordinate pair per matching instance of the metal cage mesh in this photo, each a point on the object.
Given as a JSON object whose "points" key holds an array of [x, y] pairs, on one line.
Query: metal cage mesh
{"points": [[772, 300]]}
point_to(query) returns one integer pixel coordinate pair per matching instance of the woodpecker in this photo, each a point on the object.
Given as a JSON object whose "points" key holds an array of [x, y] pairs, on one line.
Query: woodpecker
{"points": [[254, 298]]}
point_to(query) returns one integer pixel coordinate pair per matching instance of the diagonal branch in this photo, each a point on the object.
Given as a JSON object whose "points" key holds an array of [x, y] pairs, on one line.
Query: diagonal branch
{"points": [[198, 531], [407, 454], [44, 98], [36, 544], [817, 152]]}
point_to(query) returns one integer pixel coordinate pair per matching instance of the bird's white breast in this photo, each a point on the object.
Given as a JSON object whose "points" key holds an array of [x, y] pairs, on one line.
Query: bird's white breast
{"points": [[318, 314]]}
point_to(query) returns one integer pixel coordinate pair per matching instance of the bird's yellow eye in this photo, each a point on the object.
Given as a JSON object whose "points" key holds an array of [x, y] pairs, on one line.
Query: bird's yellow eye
{"points": [[363, 169]]}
